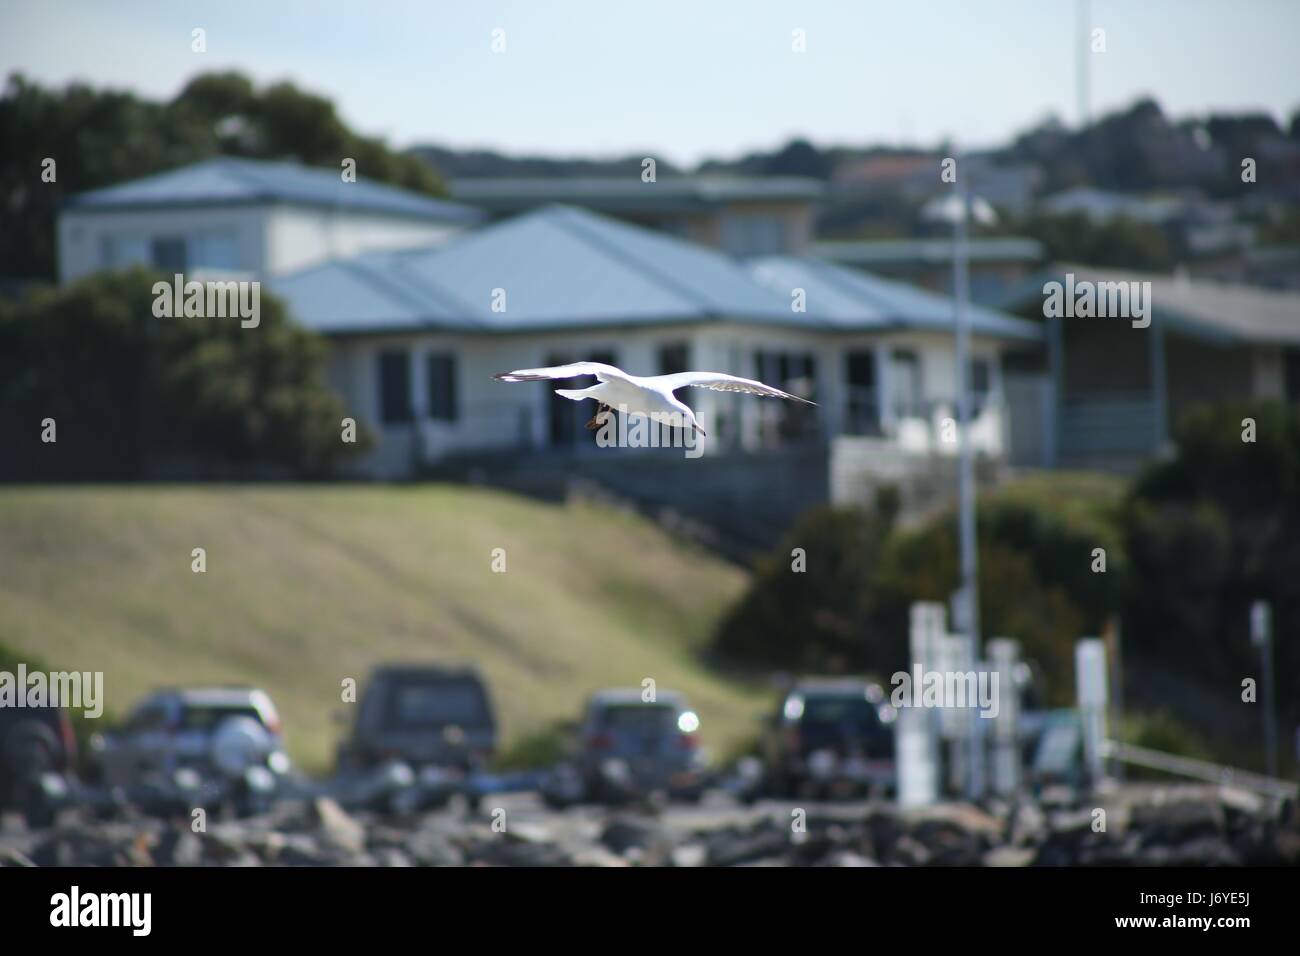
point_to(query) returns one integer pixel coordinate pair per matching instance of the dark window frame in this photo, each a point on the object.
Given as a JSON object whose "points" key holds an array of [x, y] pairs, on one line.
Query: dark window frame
{"points": [[440, 386], [394, 405], [170, 253]]}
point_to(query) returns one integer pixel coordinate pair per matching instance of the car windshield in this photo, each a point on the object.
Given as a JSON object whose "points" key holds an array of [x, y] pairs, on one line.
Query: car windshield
{"points": [[437, 704], [638, 718], [840, 711], [207, 717]]}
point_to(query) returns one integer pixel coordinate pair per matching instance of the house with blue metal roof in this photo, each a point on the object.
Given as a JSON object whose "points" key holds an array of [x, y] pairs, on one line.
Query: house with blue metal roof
{"points": [[417, 333], [739, 215], [1112, 388], [249, 217]]}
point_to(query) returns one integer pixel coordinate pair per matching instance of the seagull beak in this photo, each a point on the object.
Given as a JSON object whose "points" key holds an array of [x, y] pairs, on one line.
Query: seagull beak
{"points": [[701, 431]]}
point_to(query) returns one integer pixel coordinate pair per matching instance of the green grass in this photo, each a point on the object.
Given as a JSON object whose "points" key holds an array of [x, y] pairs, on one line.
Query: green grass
{"points": [[308, 585]]}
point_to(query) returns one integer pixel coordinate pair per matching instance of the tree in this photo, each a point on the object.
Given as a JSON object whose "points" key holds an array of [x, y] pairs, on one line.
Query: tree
{"points": [[101, 137], [849, 610], [134, 396], [1208, 533], [810, 618], [799, 158], [1121, 242]]}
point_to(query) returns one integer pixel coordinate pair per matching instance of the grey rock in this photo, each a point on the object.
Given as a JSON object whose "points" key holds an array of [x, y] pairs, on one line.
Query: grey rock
{"points": [[689, 854], [9, 856], [178, 846], [1177, 821], [1010, 856], [849, 858], [338, 828], [624, 832], [910, 852], [430, 848]]}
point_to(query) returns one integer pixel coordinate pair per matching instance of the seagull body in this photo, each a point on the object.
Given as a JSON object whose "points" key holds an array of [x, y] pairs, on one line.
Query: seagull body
{"points": [[649, 396]]}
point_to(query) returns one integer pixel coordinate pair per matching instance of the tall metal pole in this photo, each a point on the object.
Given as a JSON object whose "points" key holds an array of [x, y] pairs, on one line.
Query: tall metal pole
{"points": [[1261, 635], [966, 470], [1081, 63]]}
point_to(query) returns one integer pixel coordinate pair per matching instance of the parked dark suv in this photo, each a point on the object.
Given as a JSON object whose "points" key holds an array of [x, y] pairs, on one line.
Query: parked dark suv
{"points": [[34, 741], [830, 738], [424, 716]]}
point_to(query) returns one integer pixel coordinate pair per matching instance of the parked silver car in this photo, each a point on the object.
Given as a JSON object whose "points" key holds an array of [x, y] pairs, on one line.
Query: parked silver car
{"points": [[215, 731], [629, 747]]}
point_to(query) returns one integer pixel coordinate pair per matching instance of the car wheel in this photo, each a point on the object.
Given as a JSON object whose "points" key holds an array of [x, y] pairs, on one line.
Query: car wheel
{"points": [[36, 807]]}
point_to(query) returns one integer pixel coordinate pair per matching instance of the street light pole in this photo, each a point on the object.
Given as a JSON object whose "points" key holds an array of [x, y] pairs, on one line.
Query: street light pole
{"points": [[966, 470]]}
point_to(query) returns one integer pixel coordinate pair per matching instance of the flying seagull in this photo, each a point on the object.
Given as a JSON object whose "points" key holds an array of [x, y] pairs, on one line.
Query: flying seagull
{"points": [[651, 396]]}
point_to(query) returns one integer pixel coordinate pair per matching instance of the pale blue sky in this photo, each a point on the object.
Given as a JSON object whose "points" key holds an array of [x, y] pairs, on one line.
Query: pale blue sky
{"points": [[680, 79]]}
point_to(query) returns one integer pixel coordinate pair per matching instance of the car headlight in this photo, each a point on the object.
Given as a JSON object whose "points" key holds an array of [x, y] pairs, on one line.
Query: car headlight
{"points": [[822, 763], [278, 762]]}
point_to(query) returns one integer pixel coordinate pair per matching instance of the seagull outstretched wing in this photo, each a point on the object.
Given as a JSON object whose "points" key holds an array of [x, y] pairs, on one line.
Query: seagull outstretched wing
{"points": [[722, 382], [572, 370]]}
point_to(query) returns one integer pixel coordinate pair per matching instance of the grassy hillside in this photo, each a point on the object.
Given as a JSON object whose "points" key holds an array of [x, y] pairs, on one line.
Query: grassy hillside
{"points": [[308, 585]]}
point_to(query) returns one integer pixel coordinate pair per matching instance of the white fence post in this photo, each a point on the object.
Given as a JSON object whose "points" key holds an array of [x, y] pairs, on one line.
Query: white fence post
{"points": [[1091, 690], [1004, 654]]}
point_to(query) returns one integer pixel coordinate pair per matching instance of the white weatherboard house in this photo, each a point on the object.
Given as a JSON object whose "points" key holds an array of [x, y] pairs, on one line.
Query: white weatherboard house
{"points": [[421, 304], [418, 333], [247, 217]]}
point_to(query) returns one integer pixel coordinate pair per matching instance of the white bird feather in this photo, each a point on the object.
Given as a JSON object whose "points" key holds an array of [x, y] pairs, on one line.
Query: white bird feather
{"points": [[650, 395]]}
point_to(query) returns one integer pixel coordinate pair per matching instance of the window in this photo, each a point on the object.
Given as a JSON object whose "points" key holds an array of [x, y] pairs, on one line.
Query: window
{"points": [[441, 378], [121, 251], [753, 235], [1291, 374], [394, 387], [434, 704], [168, 253], [981, 383], [674, 358], [863, 411], [905, 384], [794, 372], [213, 250], [566, 417]]}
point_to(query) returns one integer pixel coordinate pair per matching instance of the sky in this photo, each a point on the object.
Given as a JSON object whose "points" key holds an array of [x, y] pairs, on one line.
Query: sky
{"points": [[681, 80]]}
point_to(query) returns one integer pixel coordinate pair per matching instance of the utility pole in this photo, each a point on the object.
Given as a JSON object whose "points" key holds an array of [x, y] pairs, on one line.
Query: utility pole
{"points": [[966, 605], [1081, 62], [970, 606]]}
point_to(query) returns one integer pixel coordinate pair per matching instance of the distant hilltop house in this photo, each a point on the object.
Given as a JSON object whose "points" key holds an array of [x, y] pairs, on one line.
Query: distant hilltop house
{"points": [[252, 217], [739, 215], [1109, 393], [997, 264], [915, 177], [1103, 205]]}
